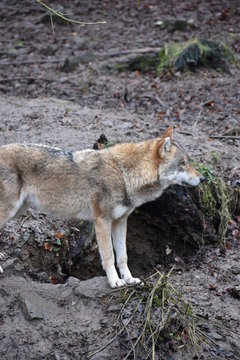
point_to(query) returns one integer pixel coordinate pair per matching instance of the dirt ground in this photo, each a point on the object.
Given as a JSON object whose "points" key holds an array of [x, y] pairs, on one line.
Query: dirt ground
{"points": [[41, 102]]}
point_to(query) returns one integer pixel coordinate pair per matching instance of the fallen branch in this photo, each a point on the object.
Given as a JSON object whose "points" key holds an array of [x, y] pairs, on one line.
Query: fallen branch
{"points": [[224, 137], [97, 56], [185, 133], [29, 62], [130, 51], [20, 78]]}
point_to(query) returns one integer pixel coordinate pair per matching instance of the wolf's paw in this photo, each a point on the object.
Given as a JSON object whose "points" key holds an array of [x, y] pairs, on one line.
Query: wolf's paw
{"points": [[117, 283], [132, 281]]}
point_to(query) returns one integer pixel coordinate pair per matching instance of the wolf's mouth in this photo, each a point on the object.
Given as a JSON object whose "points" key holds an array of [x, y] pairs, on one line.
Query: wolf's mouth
{"points": [[187, 184]]}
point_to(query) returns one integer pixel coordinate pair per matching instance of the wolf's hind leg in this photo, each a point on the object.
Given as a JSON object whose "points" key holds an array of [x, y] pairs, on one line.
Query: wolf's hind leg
{"points": [[119, 233]]}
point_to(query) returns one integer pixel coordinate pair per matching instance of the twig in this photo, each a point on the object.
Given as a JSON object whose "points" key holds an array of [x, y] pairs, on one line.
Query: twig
{"points": [[130, 51], [28, 62], [24, 78], [59, 14], [114, 338], [185, 133], [224, 137], [24, 219], [160, 102], [104, 346]]}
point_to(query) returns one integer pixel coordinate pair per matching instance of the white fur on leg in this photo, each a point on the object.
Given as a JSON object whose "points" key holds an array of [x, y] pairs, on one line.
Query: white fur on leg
{"points": [[119, 232], [127, 276], [113, 278], [104, 240]]}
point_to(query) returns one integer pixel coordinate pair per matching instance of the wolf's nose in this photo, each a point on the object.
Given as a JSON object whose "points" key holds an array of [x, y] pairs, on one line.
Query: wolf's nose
{"points": [[202, 179]]}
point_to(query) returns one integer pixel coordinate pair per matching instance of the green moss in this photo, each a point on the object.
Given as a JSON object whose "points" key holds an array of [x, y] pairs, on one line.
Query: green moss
{"points": [[193, 54], [215, 158], [217, 200]]}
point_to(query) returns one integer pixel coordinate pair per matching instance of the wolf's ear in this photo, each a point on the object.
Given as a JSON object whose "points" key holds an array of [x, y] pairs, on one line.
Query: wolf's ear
{"points": [[168, 133], [165, 146]]}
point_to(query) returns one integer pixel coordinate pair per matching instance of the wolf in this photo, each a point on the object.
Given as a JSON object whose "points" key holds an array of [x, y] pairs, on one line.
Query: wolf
{"points": [[102, 186]]}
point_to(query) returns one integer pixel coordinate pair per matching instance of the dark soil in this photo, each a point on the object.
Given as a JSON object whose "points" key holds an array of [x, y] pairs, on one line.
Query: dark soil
{"points": [[43, 313]]}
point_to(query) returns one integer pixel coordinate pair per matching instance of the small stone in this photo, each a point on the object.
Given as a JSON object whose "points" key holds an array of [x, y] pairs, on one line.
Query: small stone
{"points": [[30, 305], [114, 308], [9, 263], [43, 276], [73, 282], [104, 322], [92, 288], [216, 336], [108, 123], [236, 270]]}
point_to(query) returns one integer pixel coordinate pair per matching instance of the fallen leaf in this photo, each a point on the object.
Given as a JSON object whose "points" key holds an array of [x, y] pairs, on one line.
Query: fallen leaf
{"points": [[184, 337], [228, 245], [59, 235], [48, 246], [211, 103]]}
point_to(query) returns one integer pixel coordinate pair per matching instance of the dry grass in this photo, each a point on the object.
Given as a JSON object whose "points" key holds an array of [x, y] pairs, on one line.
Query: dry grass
{"points": [[156, 313]]}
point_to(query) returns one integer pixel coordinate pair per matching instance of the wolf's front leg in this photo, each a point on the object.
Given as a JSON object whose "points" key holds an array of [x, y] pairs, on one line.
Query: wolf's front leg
{"points": [[103, 233], [119, 233]]}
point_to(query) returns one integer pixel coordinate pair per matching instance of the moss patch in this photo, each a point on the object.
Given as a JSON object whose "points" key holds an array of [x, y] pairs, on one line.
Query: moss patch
{"points": [[186, 56], [219, 200], [193, 54]]}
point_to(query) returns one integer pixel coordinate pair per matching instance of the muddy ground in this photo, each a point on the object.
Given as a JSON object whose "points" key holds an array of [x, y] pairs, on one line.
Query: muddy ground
{"points": [[41, 102]]}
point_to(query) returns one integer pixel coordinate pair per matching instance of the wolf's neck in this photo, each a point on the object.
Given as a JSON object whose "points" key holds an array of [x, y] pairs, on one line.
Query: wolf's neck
{"points": [[139, 170]]}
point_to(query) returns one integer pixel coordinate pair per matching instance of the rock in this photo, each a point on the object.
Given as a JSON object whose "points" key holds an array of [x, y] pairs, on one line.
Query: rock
{"points": [[9, 263], [32, 306], [236, 270], [43, 276], [107, 123], [73, 282], [35, 306], [172, 25], [216, 336], [92, 288], [114, 308]]}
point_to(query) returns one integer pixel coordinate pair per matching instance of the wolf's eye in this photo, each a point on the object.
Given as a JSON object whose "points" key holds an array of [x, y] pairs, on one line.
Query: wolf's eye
{"points": [[183, 163]]}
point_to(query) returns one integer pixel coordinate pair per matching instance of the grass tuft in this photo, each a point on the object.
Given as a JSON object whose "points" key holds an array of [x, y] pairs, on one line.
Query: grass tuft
{"points": [[154, 314]]}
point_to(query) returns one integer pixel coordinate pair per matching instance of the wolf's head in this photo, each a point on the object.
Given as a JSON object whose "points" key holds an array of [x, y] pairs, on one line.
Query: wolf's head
{"points": [[174, 167]]}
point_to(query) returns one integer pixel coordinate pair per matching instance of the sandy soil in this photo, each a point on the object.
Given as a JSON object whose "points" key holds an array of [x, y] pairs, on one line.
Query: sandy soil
{"points": [[40, 103]]}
